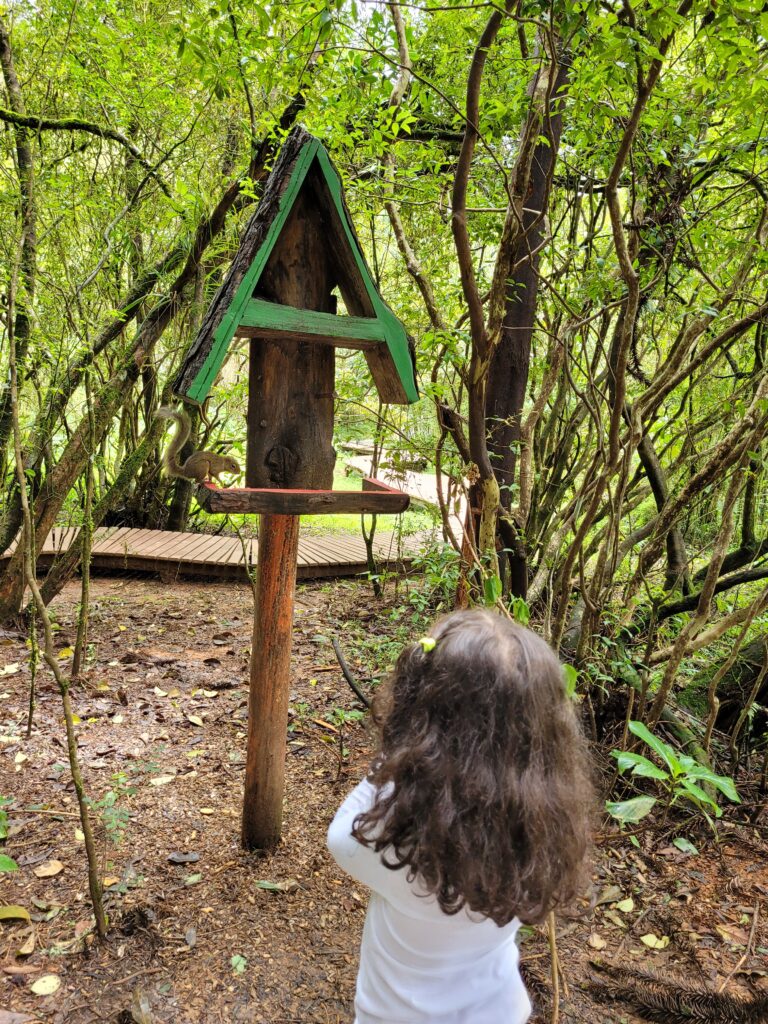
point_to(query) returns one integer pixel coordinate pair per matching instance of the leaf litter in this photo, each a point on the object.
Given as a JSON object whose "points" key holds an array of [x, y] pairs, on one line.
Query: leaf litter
{"points": [[291, 917]]}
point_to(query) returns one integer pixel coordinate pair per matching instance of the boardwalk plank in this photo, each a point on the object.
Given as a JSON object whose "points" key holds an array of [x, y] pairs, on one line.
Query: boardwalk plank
{"points": [[174, 555]]}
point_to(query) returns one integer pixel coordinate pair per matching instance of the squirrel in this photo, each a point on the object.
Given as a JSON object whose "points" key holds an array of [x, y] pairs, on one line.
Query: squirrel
{"points": [[200, 466]]}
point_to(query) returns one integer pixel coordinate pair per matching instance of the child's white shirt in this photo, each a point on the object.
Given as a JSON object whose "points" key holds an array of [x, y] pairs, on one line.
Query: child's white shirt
{"points": [[419, 965]]}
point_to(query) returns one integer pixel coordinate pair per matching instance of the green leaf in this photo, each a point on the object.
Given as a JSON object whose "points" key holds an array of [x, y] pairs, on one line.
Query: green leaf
{"points": [[685, 845], [640, 765], [664, 751], [690, 791], [238, 963], [491, 590], [7, 863], [631, 811], [520, 610], [721, 782], [571, 677]]}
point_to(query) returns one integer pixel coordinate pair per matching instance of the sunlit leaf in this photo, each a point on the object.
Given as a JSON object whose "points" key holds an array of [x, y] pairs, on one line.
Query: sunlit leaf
{"points": [[631, 811], [47, 985], [13, 912]]}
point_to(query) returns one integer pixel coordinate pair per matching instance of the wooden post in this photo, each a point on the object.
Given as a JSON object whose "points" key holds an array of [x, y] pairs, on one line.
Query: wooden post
{"points": [[270, 681], [298, 249]]}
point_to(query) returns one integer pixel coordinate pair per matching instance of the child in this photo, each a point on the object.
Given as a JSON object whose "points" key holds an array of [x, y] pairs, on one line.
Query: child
{"points": [[475, 816]]}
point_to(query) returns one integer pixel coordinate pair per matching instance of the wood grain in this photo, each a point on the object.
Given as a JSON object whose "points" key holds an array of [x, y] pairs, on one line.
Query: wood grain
{"points": [[291, 383], [284, 501], [270, 682]]}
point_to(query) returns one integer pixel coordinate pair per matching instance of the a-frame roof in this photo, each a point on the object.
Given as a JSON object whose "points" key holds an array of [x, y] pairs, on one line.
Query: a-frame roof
{"points": [[303, 166]]}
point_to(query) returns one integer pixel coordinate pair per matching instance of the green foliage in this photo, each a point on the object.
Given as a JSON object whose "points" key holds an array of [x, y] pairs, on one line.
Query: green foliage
{"points": [[680, 779], [571, 679], [492, 590], [340, 717], [434, 589], [7, 864], [628, 812], [112, 807], [197, 93], [520, 611], [4, 802], [238, 963]]}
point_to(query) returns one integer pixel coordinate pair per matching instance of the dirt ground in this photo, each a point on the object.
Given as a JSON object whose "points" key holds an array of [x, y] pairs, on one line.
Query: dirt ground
{"points": [[202, 932]]}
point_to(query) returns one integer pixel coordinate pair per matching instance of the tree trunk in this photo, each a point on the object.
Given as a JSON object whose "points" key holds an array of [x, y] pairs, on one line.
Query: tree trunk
{"points": [[508, 376], [28, 264], [737, 685]]}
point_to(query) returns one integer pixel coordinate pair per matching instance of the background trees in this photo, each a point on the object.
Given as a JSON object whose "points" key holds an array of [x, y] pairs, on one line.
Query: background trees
{"points": [[565, 202]]}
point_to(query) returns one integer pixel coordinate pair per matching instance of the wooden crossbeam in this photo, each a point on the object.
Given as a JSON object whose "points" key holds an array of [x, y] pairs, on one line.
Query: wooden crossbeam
{"points": [[374, 497], [263, 319]]}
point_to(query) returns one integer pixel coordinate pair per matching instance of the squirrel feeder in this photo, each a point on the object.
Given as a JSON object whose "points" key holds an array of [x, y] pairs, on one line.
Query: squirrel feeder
{"points": [[298, 249]]}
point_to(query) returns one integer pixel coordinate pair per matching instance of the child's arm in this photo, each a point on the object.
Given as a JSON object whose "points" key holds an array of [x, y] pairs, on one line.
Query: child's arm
{"points": [[361, 862]]}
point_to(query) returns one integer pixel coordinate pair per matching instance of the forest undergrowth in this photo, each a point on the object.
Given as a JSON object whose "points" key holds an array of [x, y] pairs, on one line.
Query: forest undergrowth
{"points": [[200, 931]]}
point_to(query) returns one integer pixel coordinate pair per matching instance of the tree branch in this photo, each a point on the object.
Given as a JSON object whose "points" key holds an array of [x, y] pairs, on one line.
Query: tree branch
{"points": [[461, 182], [76, 124]]}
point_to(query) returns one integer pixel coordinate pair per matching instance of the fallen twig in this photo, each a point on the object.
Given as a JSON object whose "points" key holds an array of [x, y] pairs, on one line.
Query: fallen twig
{"points": [[346, 672], [555, 968], [752, 930]]}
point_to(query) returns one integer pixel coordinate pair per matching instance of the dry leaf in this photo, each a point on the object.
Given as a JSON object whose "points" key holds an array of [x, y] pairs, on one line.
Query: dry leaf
{"points": [[289, 885], [324, 725], [654, 942], [609, 895], [162, 780], [206, 810], [47, 985], [14, 913], [110, 880], [48, 869], [117, 720], [141, 1011], [596, 942], [210, 693], [178, 857], [9, 1017], [10, 670], [27, 948], [160, 693], [625, 906], [195, 719], [731, 933]]}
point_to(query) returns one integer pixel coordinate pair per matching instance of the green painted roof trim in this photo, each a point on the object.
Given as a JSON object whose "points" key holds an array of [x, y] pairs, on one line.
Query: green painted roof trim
{"points": [[225, 332], [394, 332]]}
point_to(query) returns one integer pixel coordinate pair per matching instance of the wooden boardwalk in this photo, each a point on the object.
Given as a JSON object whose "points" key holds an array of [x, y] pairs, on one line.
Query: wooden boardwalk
{"points": [[119, 549]]}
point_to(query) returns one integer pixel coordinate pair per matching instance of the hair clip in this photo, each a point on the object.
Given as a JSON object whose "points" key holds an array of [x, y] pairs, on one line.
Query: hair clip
{"points": [[428, 643]]}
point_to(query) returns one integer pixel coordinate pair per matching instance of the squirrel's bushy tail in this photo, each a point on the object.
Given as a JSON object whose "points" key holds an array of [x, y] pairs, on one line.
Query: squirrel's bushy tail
{"points": [[183, 427]]}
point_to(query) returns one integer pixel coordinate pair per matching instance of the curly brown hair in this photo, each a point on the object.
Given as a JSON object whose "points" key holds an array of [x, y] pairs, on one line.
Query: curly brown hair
{"points": [[484, 780]]}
